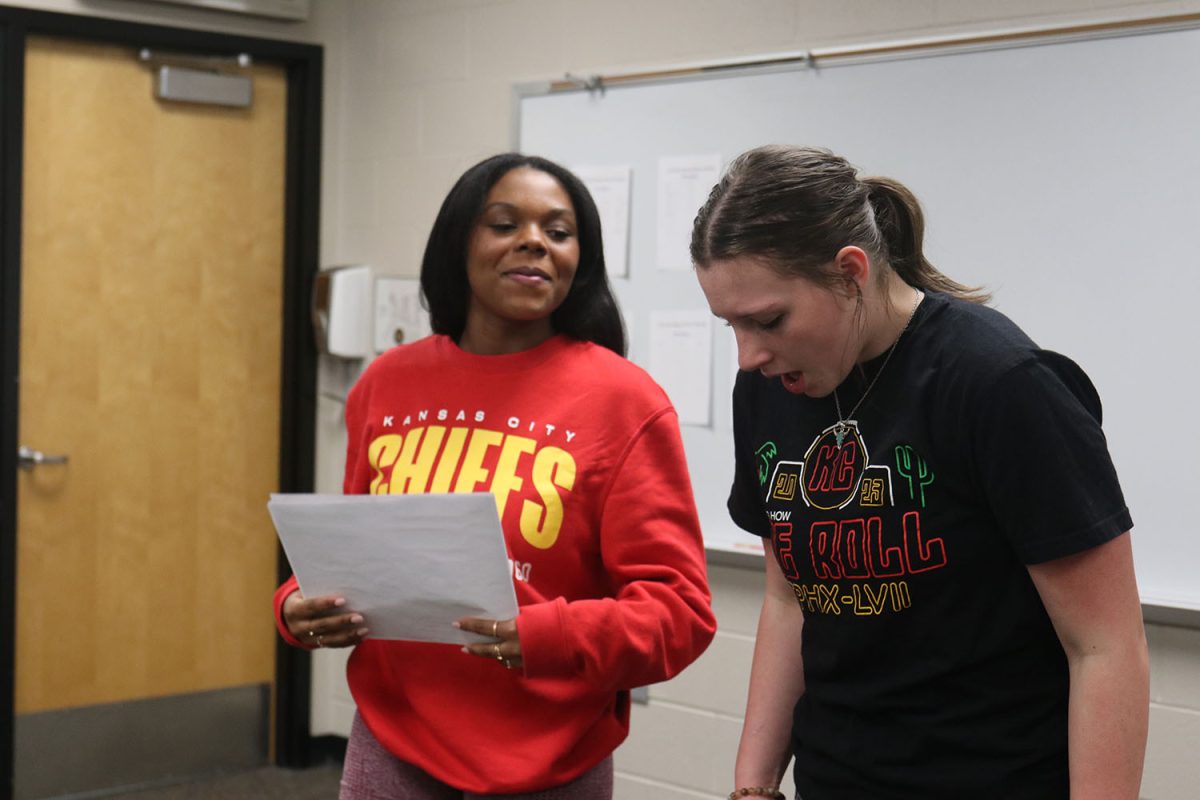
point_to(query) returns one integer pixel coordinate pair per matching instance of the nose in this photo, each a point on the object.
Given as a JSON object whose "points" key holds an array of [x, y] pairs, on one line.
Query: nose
{"points": [[532, 240], [751, 355]]}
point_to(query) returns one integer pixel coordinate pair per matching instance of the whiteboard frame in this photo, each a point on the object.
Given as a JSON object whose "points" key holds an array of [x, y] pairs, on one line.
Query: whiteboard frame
{"points": [[856, 54], [1175, 612]]}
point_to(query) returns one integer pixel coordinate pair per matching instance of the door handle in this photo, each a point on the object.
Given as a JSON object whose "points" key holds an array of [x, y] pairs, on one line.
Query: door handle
{"points": [[28, 458]]}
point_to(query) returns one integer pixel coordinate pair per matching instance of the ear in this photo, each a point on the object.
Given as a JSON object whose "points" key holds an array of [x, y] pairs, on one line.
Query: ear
{"points": [[853, 265]]}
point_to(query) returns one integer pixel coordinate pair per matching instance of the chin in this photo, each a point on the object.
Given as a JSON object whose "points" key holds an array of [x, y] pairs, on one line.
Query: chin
{"points": [[530, 314], [521, 318]]}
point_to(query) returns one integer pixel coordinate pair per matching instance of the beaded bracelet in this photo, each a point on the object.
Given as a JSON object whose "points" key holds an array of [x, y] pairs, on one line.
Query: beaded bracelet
{"points": [[757, 791]]}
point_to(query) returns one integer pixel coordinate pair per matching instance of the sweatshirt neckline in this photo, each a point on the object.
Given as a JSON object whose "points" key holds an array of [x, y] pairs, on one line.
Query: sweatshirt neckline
{"points": [[455, 356]]}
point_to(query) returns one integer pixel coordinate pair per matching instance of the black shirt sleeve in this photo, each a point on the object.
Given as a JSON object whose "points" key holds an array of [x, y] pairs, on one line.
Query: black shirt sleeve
{"points": [[1042, 459], [745, 503]]}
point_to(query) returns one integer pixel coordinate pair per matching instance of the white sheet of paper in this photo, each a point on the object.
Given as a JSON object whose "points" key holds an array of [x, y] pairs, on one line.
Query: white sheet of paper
{"points": [[684, 183], [681, 361], [410, 564], [610, 188]]}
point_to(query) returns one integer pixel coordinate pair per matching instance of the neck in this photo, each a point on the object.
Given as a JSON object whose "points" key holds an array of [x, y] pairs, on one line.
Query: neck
{"points": [[892, 310], [497, 340]]}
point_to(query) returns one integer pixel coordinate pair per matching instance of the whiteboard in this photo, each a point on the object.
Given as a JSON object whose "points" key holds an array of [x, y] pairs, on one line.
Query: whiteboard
{"points": [[1062, 175]]}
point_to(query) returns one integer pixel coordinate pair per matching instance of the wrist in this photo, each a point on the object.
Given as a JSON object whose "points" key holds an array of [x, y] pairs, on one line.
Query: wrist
{"points": [[757, 791]]}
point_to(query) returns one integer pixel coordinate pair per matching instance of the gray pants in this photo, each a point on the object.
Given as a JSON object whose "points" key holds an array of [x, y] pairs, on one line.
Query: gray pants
{"points": [[372, 773]]}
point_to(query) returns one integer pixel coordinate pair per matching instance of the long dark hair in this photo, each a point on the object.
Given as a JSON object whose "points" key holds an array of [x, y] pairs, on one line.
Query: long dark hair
{"points": [[589, 312], [796, 207]]}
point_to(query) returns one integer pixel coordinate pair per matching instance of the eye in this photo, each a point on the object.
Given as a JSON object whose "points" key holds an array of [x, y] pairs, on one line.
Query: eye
{"points": [[502, 227], [559, 235], [770, 324]]}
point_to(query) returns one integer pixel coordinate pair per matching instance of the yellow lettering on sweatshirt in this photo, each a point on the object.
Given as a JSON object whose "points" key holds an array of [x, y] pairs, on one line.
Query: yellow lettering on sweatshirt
{"points": [[505, 481], [472, 477], [439, 460], [410, 472], [553, 468], [448, 462], [381, 455]]}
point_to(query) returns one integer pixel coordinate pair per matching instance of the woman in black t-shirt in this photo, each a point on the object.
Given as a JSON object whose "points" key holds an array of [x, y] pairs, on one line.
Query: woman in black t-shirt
{"points": [[944, 520]]}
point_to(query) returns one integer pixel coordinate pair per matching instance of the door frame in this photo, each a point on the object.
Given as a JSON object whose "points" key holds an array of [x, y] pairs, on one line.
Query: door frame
{"points": [[304, 67]]}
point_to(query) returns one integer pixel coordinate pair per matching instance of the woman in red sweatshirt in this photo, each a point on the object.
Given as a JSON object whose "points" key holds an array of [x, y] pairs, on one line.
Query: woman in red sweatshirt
{"points": [[523, 391]]}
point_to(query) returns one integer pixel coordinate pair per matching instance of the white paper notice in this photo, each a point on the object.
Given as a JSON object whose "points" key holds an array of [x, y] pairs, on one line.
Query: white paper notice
{"points": [[681, 361], [684, 183], [610, 187], [399, 316], [410, 564]]}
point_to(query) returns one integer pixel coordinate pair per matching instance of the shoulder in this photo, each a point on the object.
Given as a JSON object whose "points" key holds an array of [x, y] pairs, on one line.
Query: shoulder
{"points": [[397, 361], [969, 335], [432, 351], [601, 372], [428, 350], [980, 344], [983, 365]]}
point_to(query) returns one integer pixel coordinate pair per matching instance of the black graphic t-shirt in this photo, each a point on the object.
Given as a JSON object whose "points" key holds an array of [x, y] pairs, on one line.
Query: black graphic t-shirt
{"points": [[931, 667]]}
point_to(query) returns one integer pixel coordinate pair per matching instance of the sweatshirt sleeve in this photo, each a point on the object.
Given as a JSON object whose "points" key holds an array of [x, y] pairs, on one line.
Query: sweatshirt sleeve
{"points": [[659, 618], [281, 594]]}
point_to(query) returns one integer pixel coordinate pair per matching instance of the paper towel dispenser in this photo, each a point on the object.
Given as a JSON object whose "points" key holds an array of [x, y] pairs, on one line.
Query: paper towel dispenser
{"points": [[341, 311]]}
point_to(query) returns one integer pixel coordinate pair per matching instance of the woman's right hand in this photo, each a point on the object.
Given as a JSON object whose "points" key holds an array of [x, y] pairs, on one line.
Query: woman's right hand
{"points": [[322, 621]]}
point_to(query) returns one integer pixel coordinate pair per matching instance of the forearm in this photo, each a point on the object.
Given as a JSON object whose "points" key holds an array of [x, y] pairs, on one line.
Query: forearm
{"points": [[1108, 718], [1092, 600], [776, 683], [647, 634]]}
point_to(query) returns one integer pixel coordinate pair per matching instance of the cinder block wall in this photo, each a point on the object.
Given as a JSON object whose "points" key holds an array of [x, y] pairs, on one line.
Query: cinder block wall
{"points": [[683, 742]]}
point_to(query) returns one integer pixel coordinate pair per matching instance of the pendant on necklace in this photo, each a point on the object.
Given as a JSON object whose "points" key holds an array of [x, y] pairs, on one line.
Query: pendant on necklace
{"points": [[839, 433]]}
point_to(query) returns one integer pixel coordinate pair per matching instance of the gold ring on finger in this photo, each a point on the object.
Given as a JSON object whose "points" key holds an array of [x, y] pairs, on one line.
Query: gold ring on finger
{"points": [[495, 625]]}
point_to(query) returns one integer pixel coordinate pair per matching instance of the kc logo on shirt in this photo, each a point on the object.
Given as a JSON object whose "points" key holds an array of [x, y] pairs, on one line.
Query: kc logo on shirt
{"points": [[875, 551]]}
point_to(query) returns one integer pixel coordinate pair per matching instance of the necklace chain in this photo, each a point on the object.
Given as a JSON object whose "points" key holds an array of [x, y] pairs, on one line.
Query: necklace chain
{"points": [[842, 428]]}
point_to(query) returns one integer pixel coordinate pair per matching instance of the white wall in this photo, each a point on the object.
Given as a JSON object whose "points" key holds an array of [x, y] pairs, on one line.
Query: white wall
{"points": [[417, 90], [427, 91]]}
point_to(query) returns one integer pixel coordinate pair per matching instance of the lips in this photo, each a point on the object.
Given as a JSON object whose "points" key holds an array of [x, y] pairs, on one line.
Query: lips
{"points": [[528, 274], [794, 382]]}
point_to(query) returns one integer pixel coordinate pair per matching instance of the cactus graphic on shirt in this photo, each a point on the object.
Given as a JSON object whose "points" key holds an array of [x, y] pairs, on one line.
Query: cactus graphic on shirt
{"points": [[765, 454], [915, 470]]}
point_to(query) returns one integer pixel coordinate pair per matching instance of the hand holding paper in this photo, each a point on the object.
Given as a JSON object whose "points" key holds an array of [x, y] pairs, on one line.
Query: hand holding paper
{"points": [[410, 564]]}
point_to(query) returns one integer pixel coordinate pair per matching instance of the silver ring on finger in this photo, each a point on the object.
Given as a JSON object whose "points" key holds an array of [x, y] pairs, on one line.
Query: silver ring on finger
{"points": [[496, 652]]}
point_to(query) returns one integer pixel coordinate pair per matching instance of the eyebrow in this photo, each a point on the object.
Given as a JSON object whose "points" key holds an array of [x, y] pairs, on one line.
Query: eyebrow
{"points": [[553, 213], [750, 315]]}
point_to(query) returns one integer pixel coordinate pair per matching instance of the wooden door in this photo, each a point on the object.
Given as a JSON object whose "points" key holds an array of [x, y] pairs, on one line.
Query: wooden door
{"points": [[151, 307]]}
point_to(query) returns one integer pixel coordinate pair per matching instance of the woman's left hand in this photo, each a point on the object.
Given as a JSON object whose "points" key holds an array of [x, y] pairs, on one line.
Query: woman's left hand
{"points": [[505, 647]]}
